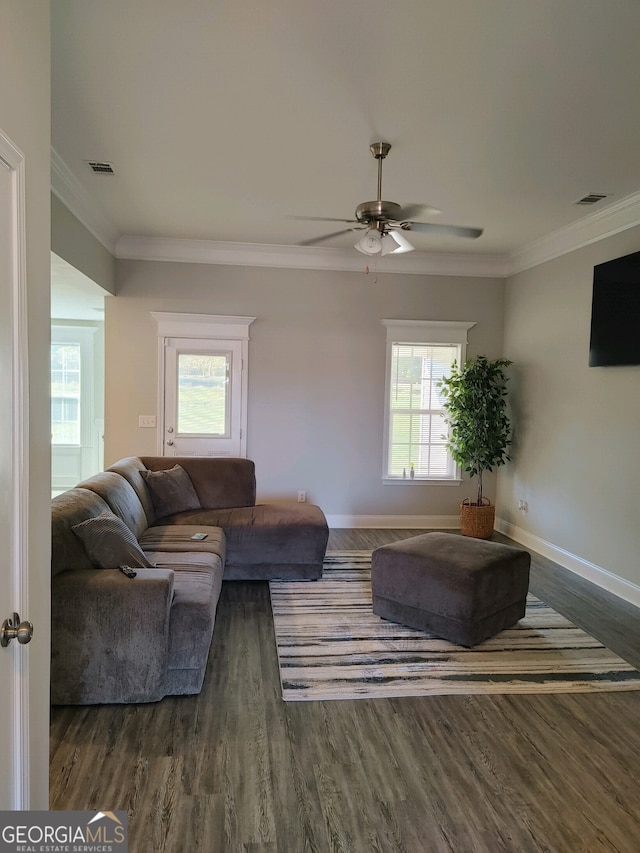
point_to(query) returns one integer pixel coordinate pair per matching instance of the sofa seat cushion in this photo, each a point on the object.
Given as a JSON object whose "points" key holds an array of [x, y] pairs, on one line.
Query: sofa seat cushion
{"points": [[186, 561], [177, 538], [275, 533]]}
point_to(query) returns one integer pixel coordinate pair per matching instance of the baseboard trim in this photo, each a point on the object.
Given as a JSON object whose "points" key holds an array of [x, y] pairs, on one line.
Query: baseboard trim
{"points": [[589, 571], [618, 586], [401, 522]]}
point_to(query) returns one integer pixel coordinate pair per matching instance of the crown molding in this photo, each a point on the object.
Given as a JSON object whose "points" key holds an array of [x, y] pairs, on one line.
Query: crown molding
{"points": [[73, 195], [596, 226], [130, 247]]}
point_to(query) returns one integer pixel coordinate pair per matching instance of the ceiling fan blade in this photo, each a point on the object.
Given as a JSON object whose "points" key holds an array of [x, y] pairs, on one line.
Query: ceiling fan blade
{"points": [[315, 240], [410, 211], [323, 219], [436, 228]]}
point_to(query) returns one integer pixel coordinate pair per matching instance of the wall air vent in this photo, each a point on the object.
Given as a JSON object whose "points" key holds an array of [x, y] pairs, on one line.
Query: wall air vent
{"points": [[591, 198], [100, 167]]}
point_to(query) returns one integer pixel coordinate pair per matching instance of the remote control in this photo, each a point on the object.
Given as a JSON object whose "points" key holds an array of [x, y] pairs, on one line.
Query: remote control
{"points": [[199, 536], [128, 571]]}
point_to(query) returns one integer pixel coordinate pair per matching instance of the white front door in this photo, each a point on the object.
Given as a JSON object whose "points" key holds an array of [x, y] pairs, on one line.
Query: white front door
{"points": [[15, 758], [203, 411]]}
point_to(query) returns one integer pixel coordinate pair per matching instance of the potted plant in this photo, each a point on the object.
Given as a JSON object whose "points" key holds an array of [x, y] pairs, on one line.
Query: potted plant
{"points": [[475, 399]]}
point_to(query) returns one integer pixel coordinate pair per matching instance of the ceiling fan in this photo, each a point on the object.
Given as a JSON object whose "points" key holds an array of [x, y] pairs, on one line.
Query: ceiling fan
{"points": [[385, 222]]}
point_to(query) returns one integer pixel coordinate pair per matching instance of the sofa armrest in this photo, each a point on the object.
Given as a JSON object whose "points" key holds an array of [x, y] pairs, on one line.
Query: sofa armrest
{"points": [[110, 635]]}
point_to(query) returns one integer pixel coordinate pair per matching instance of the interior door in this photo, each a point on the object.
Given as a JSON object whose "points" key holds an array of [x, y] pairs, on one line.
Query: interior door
{"points": [[15, 758], [203, 397]]}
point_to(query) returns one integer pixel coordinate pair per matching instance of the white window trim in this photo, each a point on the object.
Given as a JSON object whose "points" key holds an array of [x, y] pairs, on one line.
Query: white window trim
{"points": [[214, 326], [419, 332]]}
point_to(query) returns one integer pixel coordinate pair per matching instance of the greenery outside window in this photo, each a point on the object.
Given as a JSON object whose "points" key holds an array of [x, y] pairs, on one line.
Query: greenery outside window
{"points": [[419, 354], [203, 380]]}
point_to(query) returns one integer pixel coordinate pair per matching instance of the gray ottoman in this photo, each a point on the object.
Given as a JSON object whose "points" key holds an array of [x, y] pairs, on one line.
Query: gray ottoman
{"points": [[462, 589]]}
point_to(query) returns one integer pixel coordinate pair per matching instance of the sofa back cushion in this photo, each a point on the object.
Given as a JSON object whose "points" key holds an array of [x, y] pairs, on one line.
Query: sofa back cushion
{"points": [[121, 497], [130, 468], [220, 482], [67, 510]]}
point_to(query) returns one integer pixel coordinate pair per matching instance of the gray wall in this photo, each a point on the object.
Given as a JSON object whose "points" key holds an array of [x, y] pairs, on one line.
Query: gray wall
{"points": [[576, 451], [316, 370], [75, 243]]}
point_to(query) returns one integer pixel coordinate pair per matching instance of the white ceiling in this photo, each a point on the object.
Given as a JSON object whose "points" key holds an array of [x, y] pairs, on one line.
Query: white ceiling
{"points": [[224, 120]]}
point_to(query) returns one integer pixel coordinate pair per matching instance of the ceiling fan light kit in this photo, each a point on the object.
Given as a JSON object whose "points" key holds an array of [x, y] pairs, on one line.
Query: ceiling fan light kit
{"points": [[370, 244], [401, 244], [385, 243], [385, 221]]}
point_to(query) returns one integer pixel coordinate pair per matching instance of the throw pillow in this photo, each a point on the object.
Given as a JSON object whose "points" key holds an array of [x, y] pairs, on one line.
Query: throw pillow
{"points": [[171, 491], [109, 543]]}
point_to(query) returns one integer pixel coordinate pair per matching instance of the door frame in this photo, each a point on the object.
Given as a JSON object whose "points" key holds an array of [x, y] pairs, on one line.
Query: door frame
{"points": [[18, 704], [219, 327]]}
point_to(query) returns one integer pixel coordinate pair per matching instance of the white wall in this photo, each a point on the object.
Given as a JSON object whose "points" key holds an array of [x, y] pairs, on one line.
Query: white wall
{"points": [[577, 450], [25, 119], [316, 374]]}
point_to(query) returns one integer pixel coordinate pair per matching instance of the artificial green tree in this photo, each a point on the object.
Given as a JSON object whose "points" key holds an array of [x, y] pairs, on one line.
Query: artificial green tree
{"points": [[475, 400]]}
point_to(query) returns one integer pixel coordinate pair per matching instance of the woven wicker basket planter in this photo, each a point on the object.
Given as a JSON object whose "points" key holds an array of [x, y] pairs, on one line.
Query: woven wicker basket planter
{"points": [[477, 521]]}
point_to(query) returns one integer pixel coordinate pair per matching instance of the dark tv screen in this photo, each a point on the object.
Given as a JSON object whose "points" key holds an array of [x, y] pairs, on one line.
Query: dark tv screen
{"points": [[615, 313]]}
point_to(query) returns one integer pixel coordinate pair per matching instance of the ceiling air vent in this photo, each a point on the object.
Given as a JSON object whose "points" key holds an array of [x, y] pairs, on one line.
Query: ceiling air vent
{"points": [[100, 167], [591, 198]]}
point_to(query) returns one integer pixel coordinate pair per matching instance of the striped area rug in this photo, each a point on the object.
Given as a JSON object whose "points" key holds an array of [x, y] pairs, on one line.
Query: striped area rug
{"points": [[332, 646]]}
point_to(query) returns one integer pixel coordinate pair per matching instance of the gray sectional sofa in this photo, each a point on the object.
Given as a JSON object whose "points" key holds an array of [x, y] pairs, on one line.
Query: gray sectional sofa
{"points": [[138, 636]]}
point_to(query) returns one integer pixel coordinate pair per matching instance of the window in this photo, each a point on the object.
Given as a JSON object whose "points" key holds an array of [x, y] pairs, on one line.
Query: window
{"points": [[419, 355], [65, 393]]}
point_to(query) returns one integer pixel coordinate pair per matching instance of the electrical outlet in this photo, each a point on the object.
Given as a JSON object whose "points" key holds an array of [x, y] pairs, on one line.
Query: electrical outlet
{"points": [[146, 420], [523, 506], [302, 497]]}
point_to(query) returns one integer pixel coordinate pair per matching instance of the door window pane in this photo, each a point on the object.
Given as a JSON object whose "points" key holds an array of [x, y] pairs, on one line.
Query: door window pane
{"points": [[203, 404]]}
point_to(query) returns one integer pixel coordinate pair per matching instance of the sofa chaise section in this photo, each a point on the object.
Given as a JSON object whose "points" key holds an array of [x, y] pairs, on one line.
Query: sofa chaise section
{"points": [[264, 541]]}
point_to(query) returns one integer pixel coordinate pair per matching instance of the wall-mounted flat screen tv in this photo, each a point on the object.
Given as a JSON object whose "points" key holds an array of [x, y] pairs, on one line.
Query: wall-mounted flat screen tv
{"points": [[615, 313]]}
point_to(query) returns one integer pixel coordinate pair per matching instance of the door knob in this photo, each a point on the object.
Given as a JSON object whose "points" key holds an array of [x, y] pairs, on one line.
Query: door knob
{"points": [[170, 442], [15, 630]]}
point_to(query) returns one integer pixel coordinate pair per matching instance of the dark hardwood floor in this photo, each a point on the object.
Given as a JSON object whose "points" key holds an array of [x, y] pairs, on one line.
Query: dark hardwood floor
{"points": [[236, 769]]}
